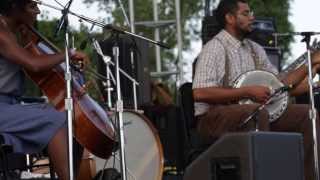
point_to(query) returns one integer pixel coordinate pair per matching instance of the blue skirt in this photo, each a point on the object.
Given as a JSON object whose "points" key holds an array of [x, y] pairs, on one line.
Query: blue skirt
{"points": [[28, 128]]}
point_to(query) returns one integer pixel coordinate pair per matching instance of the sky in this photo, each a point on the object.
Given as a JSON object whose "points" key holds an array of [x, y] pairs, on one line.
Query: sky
{"points": [[303, 17], [76, 7]]}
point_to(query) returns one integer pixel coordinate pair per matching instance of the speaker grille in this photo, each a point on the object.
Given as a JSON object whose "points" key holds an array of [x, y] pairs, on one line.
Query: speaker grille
{"points": [[255, 155]]}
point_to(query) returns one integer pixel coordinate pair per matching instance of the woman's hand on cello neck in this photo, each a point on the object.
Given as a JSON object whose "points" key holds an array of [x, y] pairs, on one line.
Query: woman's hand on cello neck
{"points": [[79, 59]]}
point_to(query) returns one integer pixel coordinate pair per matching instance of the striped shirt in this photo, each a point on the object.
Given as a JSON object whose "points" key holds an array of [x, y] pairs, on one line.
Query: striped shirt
{"points": [[242, 56]]}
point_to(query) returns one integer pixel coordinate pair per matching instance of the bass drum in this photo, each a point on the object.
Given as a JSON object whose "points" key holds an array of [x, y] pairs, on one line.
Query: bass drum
{"points": [[144, 153]]}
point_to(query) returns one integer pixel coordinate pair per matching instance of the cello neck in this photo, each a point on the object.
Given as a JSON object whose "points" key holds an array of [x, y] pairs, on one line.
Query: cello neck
{"points": [[43, 39]]}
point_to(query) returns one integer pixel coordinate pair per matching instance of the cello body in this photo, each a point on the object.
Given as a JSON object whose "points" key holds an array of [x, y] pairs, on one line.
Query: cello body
{"points": [[91, 126]]}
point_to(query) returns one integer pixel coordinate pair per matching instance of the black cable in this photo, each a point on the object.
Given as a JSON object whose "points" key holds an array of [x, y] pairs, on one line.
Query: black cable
{"points": [[58, 3]]}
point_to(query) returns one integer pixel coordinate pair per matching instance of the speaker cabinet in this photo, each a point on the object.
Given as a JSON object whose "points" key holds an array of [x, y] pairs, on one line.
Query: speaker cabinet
{"points": [[210, 28], [263, 29], [137, 69], [168, 123], [274, 55], [250, 156]]}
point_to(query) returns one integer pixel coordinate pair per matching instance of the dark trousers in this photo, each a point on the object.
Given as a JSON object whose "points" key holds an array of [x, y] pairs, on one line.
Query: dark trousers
{"points": [[227, 118]]}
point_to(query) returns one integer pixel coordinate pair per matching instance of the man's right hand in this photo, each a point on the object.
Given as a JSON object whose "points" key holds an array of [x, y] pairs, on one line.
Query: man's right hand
{"points": [[259, 94]]}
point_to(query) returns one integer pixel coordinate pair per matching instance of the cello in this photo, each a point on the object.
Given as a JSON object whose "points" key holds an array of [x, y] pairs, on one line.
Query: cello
{"points": [[91, 126]]}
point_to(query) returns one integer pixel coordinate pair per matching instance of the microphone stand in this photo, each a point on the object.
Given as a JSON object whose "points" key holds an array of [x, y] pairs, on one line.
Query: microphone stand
{"points": [[64, 19], [107, 60], [312, 111], [104, 25], [119, 104], [119, 111], [64, 23], [253, 115]]}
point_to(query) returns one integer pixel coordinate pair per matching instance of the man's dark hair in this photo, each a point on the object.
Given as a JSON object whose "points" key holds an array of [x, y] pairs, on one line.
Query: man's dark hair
{"points": [[7, 5], [225, 7]]}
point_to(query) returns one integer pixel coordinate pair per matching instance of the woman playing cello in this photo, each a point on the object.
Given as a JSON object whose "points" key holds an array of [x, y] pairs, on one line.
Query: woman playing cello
{"points": [[29, 129]]}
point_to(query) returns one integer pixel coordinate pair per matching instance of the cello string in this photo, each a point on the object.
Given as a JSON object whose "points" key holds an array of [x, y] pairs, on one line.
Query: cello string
{"points": [[48, 46]]}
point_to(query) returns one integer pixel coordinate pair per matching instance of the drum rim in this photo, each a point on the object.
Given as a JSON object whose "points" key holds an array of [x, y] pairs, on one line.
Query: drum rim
{"points": [[239, 77]]}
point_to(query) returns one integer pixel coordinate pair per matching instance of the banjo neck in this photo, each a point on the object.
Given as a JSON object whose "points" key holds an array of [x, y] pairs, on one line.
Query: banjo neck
{"points": [[300, 60]]}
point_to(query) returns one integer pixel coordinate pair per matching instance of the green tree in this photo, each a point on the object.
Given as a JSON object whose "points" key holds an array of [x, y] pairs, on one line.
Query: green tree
{"points": [[190, 10], [191, 16]]}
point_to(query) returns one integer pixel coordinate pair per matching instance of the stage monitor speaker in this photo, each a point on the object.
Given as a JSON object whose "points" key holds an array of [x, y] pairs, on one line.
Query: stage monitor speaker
{"points": [[138, 69], [263, 29], [210, 27], [250, 156], [274, 55]]}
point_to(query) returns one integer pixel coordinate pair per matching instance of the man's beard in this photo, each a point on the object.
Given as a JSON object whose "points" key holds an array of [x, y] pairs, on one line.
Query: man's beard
{"points": [[244, 33], [248, 30], [247, 33]]}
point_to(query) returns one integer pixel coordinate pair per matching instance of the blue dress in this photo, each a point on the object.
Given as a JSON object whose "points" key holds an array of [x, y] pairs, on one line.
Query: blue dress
{"points": [[28, 128]]}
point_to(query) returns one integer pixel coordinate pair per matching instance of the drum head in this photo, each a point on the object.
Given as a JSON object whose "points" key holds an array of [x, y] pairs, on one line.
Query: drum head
{"points": [[144, 154]]}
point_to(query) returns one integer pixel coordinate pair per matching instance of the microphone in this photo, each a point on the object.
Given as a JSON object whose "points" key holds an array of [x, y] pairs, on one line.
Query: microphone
{"points": [[303, 33], [283, 89], [306, 33]]}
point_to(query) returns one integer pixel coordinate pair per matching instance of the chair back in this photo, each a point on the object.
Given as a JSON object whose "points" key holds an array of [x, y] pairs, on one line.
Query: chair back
{"points": [[187, 107], [194, 142]]}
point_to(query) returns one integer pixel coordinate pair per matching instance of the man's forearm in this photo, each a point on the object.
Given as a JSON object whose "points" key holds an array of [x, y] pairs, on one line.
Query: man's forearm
{"points": [[219, 95], [295, 77]]}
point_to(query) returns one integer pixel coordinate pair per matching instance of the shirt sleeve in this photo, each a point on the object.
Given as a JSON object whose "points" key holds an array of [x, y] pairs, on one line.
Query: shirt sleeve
{"points": [[210, 66]]}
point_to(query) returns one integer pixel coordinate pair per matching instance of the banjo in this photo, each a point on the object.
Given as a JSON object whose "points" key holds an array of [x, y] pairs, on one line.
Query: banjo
{"points": [[278, 103]]}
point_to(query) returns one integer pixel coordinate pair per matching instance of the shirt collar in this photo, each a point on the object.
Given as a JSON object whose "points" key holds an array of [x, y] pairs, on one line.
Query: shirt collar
{"points": [[232, 41]]}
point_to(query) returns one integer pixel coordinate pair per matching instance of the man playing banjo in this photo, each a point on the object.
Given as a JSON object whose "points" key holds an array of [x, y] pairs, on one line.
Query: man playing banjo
{"points": [[224, 58]]}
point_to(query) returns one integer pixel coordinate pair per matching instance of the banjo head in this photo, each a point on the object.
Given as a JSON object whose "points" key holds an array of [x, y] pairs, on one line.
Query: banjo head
{"points": [[278, 104]]}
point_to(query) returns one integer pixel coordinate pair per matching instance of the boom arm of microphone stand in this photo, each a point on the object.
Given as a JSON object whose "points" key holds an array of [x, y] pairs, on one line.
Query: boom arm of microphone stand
{"points": [[103, 25], [121, 31]]}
